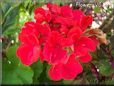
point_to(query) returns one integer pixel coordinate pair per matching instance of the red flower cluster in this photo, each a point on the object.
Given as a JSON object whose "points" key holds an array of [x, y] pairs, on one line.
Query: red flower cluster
{"points": [[58, 37]]}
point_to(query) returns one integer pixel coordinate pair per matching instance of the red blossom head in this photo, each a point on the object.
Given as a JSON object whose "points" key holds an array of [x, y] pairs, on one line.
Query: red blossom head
{"points": [[57, 37]]}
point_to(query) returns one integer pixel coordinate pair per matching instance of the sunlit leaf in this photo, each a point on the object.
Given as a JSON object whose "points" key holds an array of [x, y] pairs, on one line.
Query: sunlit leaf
{"points": [[16, 74], [11, 54]]}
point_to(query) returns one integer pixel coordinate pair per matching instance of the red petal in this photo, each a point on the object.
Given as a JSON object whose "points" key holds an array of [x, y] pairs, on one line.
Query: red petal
{"points": [[53, 38], [54, 55], [42, 15], [50, 45], [95, 40], [87, 43], [47, 16], [74, 33], [71, 69], [39, 10], [64, 30], [66, 11], [41, 56], [47, 53], [78, 15], [53, 51], [57, 55], [55, 72], [86, 58], [80, 51], [39, 18], [66, 71], [54, 8], [45, 29], [29, 34], [28, 54], [39, 14], [28, 38], [30, 27], [85, 22], [66, 42], [63, 21]]}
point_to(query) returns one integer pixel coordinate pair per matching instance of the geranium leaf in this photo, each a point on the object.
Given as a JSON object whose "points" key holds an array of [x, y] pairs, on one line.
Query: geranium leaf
{"points": [[16, 74], [11, 54]]}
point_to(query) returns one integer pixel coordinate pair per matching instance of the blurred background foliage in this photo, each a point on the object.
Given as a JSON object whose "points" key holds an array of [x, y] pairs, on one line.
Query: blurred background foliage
{"points": [[13, 14]]}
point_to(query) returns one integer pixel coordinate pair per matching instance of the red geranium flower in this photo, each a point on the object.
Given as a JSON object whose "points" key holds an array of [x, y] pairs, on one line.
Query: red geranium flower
{"points": [[59, 37]]}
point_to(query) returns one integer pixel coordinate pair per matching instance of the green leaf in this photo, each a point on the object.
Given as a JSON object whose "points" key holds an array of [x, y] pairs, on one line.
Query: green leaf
{"points": [[5, 7], [37, 68], [3, 10], [10, 18], [97, 9], [11, 54], [43, 78], [109, 82], [41, 1], [11, 30], [66, 82], [16, 74], [12, 3], [77, 81], [91, 79], [94, 55], [101, 55], [57, 1], [105, 68]]}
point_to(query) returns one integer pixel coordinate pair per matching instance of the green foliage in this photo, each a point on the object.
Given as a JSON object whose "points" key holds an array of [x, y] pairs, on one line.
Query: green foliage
{"points": [[97, 9], [104, 68], [16, 74], [11, 55], [67, 82], [13, 71], [9, 14], [109, 82], [37, 68]]}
